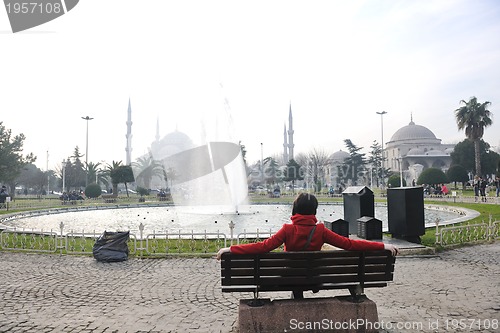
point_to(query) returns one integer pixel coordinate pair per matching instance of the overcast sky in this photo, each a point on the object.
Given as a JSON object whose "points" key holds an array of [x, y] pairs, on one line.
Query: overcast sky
{"points": [[336, 62]]}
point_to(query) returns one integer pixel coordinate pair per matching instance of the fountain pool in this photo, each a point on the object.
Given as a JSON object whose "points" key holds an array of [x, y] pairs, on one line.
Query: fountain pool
{"points": [[198, 219]]}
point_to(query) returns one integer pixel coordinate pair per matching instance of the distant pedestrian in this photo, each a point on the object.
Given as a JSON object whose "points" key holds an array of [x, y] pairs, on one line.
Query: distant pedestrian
{"points": [[482, 189], [444, 189], [3, 196], [476, 184], [497, 185]]}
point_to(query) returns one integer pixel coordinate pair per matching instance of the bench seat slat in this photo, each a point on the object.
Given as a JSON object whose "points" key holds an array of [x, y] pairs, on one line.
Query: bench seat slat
{"points": [[290, 271], [285, 271], [303, 280], [325, 286]]}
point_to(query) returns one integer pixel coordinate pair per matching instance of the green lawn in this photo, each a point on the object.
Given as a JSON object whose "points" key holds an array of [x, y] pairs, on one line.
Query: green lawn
{"points": [[27, 242]]}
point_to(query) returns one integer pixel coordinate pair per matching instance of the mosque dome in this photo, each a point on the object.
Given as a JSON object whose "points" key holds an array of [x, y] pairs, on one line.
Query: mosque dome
{"points": [[176, 139], [171, 144], [448, 151], [413, 132], [339, 156]]}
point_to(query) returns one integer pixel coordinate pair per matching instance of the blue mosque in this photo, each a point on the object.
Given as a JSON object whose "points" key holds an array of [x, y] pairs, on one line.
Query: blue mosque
{"points": [[410, 150]]}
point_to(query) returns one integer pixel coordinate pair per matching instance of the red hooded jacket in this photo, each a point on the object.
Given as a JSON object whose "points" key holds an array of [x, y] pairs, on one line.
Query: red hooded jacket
{"points": [[295, 236]]}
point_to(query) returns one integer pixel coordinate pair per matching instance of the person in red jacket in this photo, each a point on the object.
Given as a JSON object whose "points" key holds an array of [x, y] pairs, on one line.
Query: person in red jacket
{"points": [[305, 234]]}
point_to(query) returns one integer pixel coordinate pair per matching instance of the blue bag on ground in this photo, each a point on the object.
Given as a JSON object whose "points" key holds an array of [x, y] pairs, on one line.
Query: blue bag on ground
{"points": [[111, 246]]}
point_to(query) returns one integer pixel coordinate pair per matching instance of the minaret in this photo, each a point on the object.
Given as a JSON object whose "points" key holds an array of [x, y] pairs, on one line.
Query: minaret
{"points": [[128, 149], [290, 134], [285, 146]]}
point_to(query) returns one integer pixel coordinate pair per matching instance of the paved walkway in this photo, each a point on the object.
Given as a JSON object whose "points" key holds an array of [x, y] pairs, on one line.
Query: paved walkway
{"points": [[52, 293]]}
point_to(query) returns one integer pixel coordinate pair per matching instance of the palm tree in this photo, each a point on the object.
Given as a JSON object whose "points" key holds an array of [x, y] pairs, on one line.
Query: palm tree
{"points": [[111, 169], [147, 168], [474, 117], [94, 173]]}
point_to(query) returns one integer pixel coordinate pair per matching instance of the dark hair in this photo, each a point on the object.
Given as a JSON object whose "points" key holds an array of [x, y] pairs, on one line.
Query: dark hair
{"points": [[305, 204]]}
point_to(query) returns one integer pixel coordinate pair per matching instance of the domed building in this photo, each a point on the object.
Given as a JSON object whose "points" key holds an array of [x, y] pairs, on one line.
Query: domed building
{"points": [[414, 148], [171, 144], [336, 159]]}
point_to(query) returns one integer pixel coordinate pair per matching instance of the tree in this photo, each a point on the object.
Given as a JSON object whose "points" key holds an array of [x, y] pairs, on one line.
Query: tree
{"points": [[93, 191], [121, 174], [31, 177], [464, 152], [293, 173], [376, 159], [11, 158], [317, 162], [146, 168], [95, 174], [457, 173], [111, 169], [354, 165], [474, 117], [75, 171], [395, 181], [432, 176], [271, 171]]}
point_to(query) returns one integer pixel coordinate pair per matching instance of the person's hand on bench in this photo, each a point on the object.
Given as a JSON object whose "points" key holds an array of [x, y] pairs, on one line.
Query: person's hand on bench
{"points": [[221, 251], [394, 249]]}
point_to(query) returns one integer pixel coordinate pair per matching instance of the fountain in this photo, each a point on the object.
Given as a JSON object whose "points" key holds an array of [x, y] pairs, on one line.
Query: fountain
{"points": [[209, 172], [207, 181]]}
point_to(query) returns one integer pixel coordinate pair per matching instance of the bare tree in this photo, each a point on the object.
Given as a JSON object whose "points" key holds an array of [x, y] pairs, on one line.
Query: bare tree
{"points": [[318, 162]]}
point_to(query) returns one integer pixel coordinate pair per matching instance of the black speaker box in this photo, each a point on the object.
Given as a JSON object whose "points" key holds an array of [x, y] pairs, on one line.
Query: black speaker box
{"points": [[405, 213]]}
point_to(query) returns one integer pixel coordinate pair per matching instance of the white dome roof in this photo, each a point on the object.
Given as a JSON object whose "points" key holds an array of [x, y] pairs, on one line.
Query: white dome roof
{"points": [[176, 138], [339, 156], [413, 132]]}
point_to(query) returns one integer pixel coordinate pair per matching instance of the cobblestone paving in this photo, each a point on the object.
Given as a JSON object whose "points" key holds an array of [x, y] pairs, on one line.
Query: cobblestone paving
{"points": [[455, 291]]}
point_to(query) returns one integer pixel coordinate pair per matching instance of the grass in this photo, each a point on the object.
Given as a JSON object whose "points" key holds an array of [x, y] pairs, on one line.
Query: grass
{"points": [[485, 211], [158, 245]]}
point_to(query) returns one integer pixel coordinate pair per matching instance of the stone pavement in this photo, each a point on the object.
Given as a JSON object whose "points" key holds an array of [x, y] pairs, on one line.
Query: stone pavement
{"points": [[458, 290]]}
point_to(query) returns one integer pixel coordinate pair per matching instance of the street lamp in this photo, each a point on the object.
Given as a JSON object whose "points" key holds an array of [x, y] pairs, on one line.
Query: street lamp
{"points": [[262, 163], [382, 130], [87, 118], [400, 161], [64, 175]]}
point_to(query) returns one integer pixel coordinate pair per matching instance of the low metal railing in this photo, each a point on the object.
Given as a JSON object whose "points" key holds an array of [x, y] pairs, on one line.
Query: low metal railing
{"points": [[82, 242], [469, 233]]}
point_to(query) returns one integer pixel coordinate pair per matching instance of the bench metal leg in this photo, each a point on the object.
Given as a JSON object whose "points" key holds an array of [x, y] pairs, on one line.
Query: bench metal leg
{"points": [[256, 301], [298, 294], [356, 294]]}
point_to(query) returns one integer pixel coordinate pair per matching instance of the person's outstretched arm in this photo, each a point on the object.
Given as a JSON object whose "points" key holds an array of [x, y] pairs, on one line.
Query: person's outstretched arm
{"points": [[266, 245], [345, 243]]}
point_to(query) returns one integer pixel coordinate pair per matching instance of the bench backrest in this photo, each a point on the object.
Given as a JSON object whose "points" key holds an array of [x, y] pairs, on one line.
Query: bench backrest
{"points": [[282, 271]]}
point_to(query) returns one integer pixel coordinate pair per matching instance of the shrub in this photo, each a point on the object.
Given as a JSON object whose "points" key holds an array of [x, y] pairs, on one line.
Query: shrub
{"points": [[432, 176], [142, 191], [394, 181], [93, 191]]}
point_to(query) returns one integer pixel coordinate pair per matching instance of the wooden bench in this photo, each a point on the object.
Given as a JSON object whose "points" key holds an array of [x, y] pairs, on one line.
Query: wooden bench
{"points": [[109, 198], [313, 270]]}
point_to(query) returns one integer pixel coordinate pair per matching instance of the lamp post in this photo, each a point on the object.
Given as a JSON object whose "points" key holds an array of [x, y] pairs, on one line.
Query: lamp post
{"points": [[400, 160], [64, 176], [262, 162], [382, 131], [87, 118], [48, 175]]}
